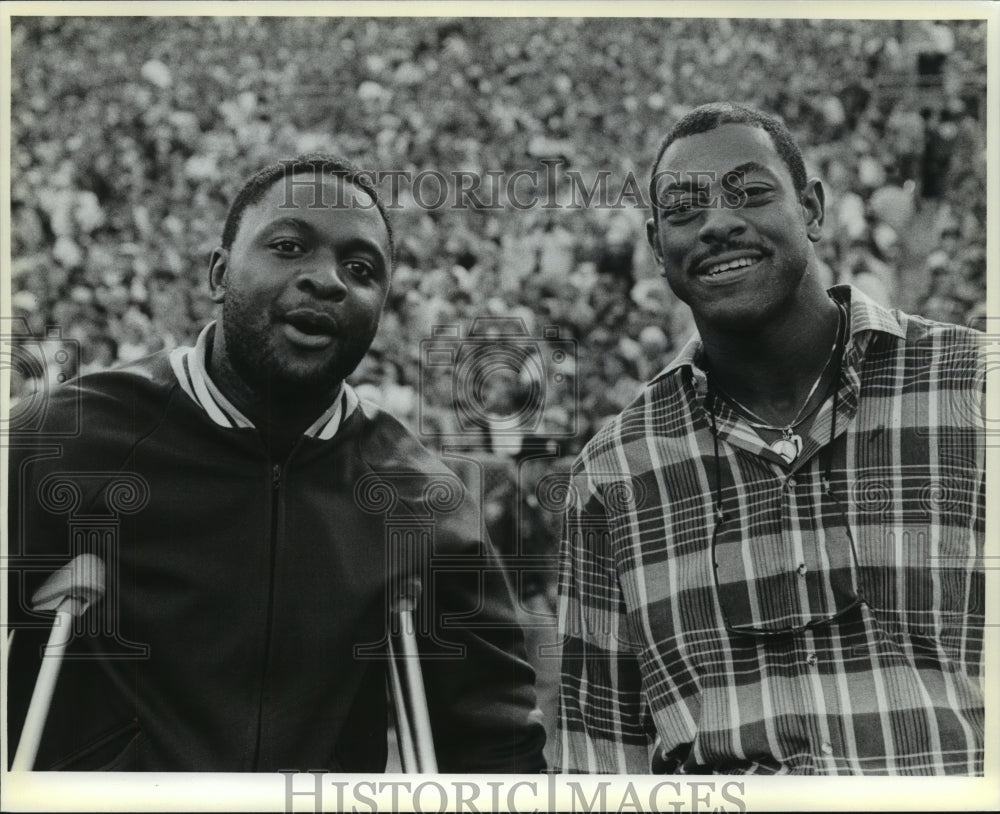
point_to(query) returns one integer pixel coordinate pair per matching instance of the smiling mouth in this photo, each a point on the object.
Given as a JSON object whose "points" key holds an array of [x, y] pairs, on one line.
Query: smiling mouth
{"points": [[729, 269]]}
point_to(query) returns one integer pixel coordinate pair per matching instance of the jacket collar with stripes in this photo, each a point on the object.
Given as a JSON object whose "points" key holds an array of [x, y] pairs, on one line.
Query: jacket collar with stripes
{"points": [[188, 364]]}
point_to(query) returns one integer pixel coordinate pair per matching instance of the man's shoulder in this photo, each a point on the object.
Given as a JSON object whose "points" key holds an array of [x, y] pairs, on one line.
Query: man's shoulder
{"points": [[657, 409], [401, 475], [154, 370], [388, 445], [96, 399], [920, 328], [911, 328], [936, 344], [143, 380]]}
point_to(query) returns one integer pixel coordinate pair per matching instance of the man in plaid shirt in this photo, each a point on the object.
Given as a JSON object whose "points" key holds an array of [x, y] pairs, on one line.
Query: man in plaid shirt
{"points": [[773, 558]]}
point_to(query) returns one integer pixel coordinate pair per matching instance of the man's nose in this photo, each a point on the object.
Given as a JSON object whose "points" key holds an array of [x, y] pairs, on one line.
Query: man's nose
{"points": [[720, 223], [324, 279]]}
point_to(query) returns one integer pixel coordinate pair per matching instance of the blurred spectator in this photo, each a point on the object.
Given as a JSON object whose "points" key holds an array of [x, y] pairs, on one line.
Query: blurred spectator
{"points": [[868, 272], [955, 277], [99, 353], [381, 381], [135, 336]]}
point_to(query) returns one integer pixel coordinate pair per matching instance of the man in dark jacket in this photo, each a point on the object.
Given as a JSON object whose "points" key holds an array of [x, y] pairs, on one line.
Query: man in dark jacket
{"points": [[256, 522]]}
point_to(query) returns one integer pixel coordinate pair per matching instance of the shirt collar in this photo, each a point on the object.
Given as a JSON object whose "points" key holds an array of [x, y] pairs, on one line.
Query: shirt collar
{"points": [[190, 369], [867, 317]]}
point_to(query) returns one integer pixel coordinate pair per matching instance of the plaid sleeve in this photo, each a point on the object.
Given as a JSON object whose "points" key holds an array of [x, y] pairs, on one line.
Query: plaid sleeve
{"points": [[603, 717]]}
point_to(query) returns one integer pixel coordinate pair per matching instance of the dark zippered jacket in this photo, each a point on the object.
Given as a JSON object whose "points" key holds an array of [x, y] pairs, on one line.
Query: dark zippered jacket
{"points": [[247, 605]]}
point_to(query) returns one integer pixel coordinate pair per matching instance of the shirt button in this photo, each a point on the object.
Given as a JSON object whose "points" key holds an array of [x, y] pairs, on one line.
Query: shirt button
{"points": [[811, 659], [827, 749], [791, 482], [802, 569]]}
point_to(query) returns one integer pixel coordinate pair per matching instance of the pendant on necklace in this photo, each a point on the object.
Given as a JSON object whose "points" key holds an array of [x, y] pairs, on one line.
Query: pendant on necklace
{"points": [[789, 446]]}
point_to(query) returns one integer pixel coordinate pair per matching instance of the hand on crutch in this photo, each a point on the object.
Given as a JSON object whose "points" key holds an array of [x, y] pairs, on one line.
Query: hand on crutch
{"points": [[69, 592], [413, 723]]}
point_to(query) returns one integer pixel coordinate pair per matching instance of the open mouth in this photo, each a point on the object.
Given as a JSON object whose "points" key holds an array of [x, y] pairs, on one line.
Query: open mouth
{"points": [[308, 328]]}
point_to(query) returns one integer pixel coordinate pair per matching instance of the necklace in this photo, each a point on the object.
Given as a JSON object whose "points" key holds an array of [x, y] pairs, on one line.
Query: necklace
{"points": [[789, 445]]}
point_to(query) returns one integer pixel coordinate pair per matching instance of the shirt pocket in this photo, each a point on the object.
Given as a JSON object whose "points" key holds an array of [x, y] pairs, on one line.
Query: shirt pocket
{"points": [[925, 580], [921, 545]]}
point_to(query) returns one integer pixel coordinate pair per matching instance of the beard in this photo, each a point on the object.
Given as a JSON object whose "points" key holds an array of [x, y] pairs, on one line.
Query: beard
{"points": [[250, 346]]}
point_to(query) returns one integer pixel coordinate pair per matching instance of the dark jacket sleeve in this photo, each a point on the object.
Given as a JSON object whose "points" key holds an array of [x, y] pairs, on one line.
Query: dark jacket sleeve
{"points": [[60, 464], [479, 685]]}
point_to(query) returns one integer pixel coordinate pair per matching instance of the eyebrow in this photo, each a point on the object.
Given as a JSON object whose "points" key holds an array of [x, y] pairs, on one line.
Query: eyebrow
{"points": [[750, 166], [281, 223], [741, 169], [304, 226]]}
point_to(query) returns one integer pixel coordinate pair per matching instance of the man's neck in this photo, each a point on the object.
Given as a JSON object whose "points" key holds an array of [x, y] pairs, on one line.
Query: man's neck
{"points": [[773, 370], [277, 416], [280, 418]]}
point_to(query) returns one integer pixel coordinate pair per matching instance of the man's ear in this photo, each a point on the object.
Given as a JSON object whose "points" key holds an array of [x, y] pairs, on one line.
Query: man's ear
{"points": [[653, 238], [813, 206], [218, 274]]}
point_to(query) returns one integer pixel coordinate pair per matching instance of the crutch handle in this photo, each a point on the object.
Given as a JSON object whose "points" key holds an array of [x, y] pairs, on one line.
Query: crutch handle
{"points": [[69, 592]]}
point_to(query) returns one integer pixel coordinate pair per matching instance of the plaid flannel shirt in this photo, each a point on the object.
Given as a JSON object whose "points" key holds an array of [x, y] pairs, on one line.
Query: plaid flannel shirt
{"points": [[652, 679]]}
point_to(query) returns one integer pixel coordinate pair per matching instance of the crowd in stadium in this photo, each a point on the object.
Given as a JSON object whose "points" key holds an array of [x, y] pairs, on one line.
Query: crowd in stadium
{"points": [[127, 150]]}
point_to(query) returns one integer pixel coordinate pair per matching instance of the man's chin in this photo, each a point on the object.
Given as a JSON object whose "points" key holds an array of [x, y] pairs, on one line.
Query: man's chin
{"points": [[278, 371], [736, 317], [295, 382], [306, 383]]}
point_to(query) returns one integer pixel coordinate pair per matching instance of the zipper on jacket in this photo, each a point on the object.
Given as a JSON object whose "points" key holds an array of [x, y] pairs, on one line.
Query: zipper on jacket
{"points": [[272, 553]]}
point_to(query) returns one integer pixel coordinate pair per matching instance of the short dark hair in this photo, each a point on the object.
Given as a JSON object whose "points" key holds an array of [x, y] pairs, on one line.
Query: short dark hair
{"points": [[715, 114], [257, 186]]}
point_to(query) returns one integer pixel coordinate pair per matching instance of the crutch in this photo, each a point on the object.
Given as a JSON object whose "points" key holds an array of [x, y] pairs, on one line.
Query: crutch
{"points": [[413, 723], [69, 592]]}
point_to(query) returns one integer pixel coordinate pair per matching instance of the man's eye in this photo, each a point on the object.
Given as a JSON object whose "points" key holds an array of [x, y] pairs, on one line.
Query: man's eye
{"points": [[286, 246], [360, 268], [680, 210], [755, 192]]}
